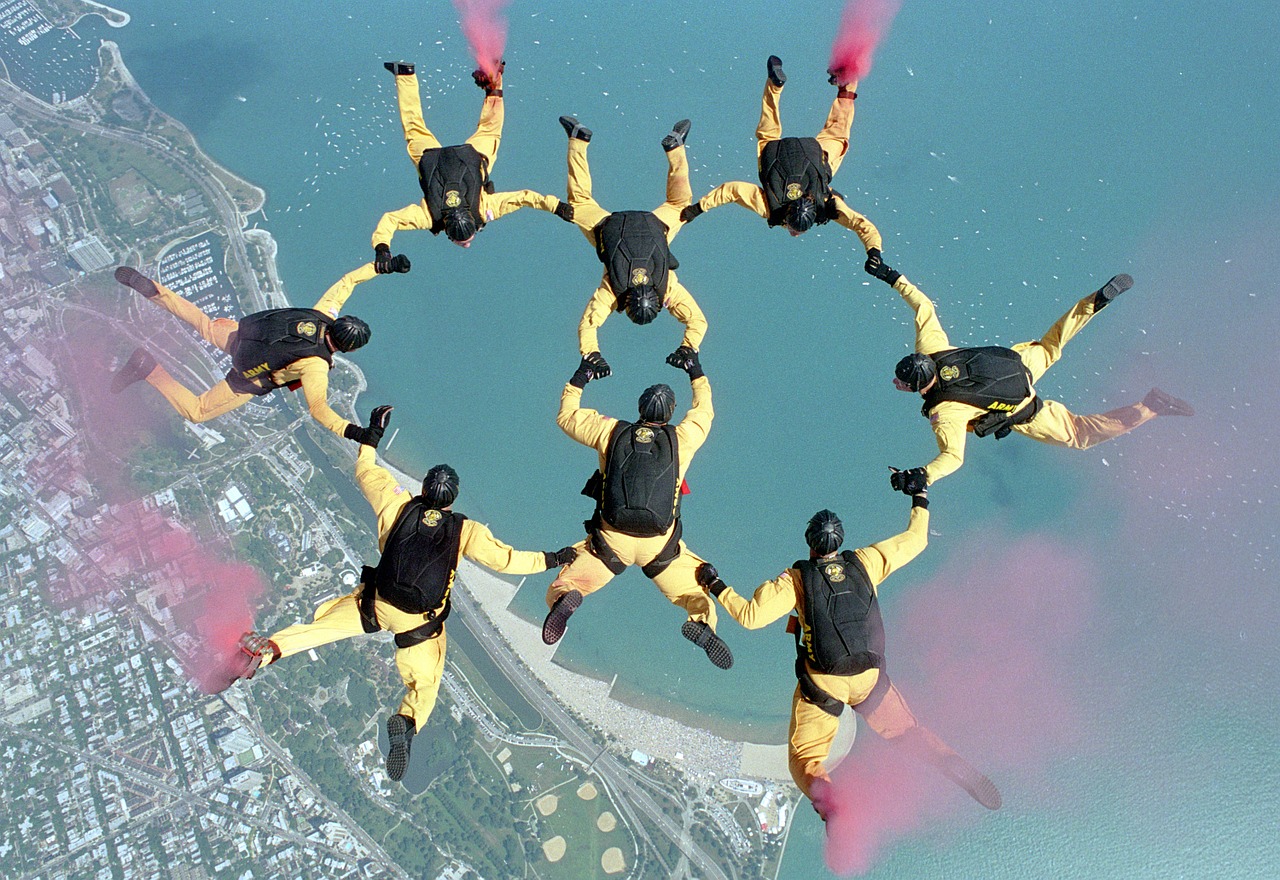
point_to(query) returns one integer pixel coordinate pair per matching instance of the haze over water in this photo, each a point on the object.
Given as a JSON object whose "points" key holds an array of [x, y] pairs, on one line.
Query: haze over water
{"points": [[1014, 159]]}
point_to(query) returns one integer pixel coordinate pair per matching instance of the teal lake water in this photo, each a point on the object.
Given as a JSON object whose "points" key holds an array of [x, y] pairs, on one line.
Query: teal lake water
{"points": [[1014, 157]]}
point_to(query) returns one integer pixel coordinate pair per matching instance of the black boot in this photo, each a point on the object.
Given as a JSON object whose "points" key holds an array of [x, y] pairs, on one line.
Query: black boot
{"points": [[400, 731], [776, 76], [131, 277], [679, 132], [399, 68], [1109, 291], [575, 129], [558, 617], [135, 369], [705, 638]]}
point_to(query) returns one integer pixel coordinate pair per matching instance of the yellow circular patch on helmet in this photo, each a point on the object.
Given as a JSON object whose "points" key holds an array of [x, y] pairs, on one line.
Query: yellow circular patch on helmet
{"points": [[639, 277], [644, 435], [794, 192], [306, 328], [949, 373], [834, 572], [452, 199], [432, 518]]}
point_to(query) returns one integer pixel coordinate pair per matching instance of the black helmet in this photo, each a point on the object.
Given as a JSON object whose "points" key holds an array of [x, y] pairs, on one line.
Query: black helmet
{"points": [[825, 533], [657, 403], [916, 371], [458, 224], [440, 486], [642, 303], [349, 333], [801, 214]]}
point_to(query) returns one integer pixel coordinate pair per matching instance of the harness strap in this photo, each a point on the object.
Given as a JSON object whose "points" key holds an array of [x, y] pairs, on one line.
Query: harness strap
{"points": [[666, 555], [1001, 424], [368, 593], [810, 691], [598, 547], [429, 630]]}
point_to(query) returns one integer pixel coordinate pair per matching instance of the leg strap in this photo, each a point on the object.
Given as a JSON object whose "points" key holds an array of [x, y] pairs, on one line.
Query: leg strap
{"points": [[666, 555]]}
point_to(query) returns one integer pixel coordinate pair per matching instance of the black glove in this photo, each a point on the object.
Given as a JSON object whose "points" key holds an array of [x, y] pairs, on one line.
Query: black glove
{"points": [[689, 213], [372, 435], [556, 558], [382, 259], [564, 211], [592, 366], [709, 579], [399, 263], [913, 481], [600, 368], [878, 268], [685, 358]]}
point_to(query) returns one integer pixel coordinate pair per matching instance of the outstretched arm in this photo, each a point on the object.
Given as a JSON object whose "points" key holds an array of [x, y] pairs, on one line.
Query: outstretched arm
{"points": [[479, 545], [738, 192], [684, 308], [950, 422], [313, 373], [587, 426], [386, 496], [336, 296], [599, 308], [930, 337], [883, 558], [409, 217], [496, 205], [856, 223], [772, 599]]}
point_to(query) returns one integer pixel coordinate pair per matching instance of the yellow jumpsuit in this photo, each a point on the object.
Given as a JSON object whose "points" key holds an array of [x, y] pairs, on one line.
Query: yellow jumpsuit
{"points": [[1053, 424], [419, 139], [420, 666], [312, 372], [587, 214], [834, 140], [812, 729], [586, 574]]}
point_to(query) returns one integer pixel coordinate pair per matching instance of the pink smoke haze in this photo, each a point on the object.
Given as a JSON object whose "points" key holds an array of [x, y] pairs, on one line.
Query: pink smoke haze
{"points": [[485, 27], [863, 25], [186, 589], [987, 655]]}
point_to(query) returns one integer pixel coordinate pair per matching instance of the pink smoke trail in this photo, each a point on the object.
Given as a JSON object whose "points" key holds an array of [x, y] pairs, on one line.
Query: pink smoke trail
{"points": [[863, 25], [198, 599], [485, 27], [987, 655]]}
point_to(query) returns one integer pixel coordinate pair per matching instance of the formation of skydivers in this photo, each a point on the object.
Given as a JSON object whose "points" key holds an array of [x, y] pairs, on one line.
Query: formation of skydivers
{"points": [[831, 595]]}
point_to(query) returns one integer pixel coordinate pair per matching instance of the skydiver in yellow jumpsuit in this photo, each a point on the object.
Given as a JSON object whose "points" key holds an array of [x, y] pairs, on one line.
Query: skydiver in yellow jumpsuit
{"points": [[458, 197], [639, 277], [795, 173], [422, 540], [637, 492], [990, 390], [840, 651], [270, 349]]}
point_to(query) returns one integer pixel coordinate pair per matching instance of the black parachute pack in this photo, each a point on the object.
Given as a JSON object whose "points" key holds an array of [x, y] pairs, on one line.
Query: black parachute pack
{"points": [[640, 490], [791, 168], [991, 378], [272, 340], [416, 571], [843, 631], [633, 247], [453, 177]]}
